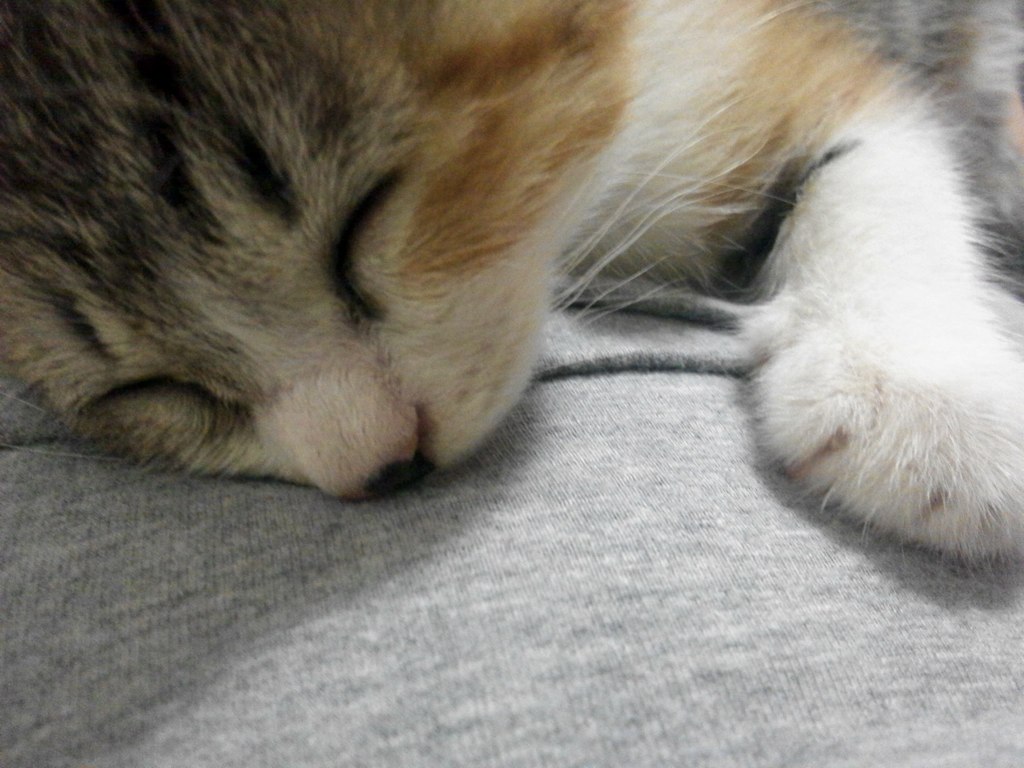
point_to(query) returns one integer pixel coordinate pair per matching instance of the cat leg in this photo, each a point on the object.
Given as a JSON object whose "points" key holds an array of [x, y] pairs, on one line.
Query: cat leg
{"points": [[890, 379]]}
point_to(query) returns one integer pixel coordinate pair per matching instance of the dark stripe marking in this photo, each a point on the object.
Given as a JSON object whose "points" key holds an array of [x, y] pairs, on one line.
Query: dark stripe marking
{"points": [[266, 180], [162, 76], [154, 66], [140, 18], [171, 179], [80, 325], [76, 255], [47, 61]]}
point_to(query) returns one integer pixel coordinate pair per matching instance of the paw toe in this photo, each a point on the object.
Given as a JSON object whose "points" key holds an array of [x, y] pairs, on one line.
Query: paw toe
{"points": [[804, 468]]}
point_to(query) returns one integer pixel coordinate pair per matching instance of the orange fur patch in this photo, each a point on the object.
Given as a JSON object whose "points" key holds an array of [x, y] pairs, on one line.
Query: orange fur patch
{"points": [[806, 75], [508, 116], [514, 106], [812, 82]]}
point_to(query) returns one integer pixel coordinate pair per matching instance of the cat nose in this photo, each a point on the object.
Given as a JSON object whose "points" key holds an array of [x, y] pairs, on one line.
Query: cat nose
{"points": [[399, 475]]}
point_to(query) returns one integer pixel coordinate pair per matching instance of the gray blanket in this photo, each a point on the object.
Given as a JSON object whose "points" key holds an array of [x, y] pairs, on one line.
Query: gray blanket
{"points": [[614, 580]]}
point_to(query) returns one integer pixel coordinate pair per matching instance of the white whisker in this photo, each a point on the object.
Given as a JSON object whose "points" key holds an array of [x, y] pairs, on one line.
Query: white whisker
{"points": [[676, 202], [699, 136], [610, 307], [60, 454], [687, 191], [768, 18], [28, 403]]}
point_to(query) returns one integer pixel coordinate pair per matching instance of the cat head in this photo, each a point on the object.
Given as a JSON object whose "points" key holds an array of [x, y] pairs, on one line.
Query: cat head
{"points": [[308, 239]]}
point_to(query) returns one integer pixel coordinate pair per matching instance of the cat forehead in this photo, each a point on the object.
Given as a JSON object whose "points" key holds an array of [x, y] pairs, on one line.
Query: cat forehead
{"points": [[204, 138]]}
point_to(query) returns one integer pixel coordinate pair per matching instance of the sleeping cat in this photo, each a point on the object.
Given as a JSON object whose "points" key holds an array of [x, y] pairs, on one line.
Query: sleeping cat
{"points": [[317, 239]]}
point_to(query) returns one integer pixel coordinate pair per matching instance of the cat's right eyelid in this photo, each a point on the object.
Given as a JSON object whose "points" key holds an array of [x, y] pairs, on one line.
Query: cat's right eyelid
{"points": [[343, 250]]}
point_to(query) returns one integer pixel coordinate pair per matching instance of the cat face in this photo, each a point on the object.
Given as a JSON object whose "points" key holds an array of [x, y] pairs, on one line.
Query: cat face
{"points": [[309, 239]]}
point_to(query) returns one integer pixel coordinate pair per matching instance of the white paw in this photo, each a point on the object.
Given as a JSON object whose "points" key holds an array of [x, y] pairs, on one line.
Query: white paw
{"points": [[922, 440]]}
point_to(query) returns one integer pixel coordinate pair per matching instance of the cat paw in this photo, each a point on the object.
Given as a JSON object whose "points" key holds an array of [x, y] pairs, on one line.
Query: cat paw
{"points": [[929, 447]]}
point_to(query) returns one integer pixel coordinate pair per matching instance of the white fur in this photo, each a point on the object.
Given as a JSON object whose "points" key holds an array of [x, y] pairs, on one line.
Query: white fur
{"points": [[656, 175], [891, 378], [889, 381]]}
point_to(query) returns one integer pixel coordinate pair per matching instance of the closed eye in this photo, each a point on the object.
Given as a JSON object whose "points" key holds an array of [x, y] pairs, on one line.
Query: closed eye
{"points": [[360, 305], [160, 385]]}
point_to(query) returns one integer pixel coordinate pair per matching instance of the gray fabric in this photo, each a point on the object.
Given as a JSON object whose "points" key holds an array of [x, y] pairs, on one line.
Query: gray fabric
{"points": [[615, 580]]}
